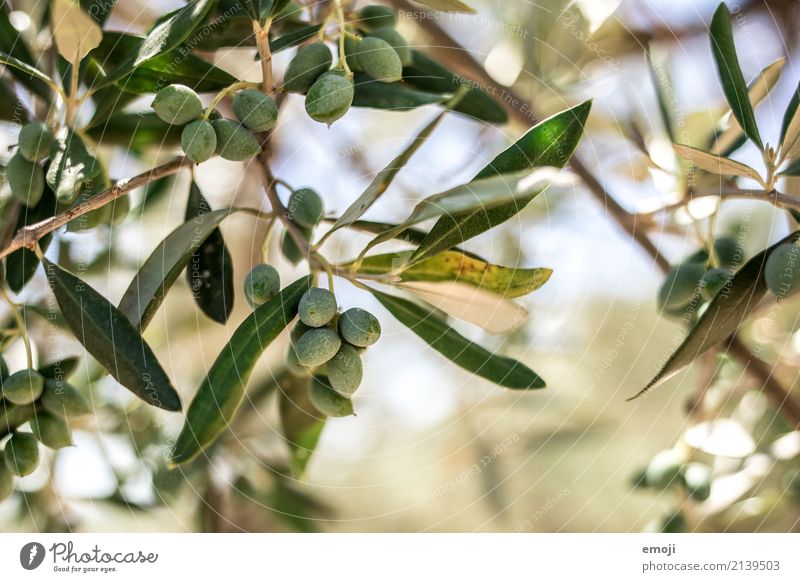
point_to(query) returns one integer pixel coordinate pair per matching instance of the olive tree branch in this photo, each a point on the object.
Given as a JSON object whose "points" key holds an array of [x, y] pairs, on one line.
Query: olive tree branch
{"points": [[450, 50], [28, 236]]}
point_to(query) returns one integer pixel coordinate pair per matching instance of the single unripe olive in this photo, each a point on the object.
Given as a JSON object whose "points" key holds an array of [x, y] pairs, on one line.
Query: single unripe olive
{"points": [[376, 16], [782, 271], [234, 142], [681, 285], [25, 179], [379, 60], [664, 469], [329, 98], [52, 431], [22, 454], [317, 346], [397, 41], [63, 399], [729, 251], [177, 105], [697, 479], [256, 111], [293, 253], [359, 327], [327, 400], [317, 307], [307, 65], [199, 141], [714, 281], [345, 370], [6, 482], [35, 141], [305, 207], [261, 284], [351, 45], [23, 387]]}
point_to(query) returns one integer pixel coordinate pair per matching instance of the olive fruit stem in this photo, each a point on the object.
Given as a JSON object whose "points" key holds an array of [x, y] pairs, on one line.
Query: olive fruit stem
{"points": [[342, 35], [225, 92], [23, 333]]}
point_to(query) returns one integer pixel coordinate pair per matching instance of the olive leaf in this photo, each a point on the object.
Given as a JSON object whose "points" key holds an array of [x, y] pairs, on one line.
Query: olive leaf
{"points": [[730, 73], [716, 164], [99, 10], [165, 36], [71, 166], [156, 73], [490, 311], [447, 5], [790, 115], [373, 94], [484, 194], [294, 38], [790, 133], [723, 316], [59, 368], [74, 32], [30, 73], [135, 131], [161, 269], [384, 178], [456, 265], [301, 422], [549, 143], [459, 350], [662, 81], [223, 388], [430, 76], [22, 264], [210, 269], [733, 137], [792, 169], [109, 336], [12, 44]]}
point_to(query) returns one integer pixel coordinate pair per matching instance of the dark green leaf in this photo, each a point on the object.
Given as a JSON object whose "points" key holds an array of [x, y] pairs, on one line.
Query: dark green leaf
{"points": [[99, 10], [428, 75], [22, 264], [391, 96], [791, 109], [301, 423], [293, 38], [459, 350], [723, 316], [108, 336], [27, 74], [222, 391], [155, 74], [162, 267], [136, 131], [71, 166], [730, 73], [12, 43], [60, 368], [253, 8], [210, 270], [165, 36], [793, 169], [549, 143]]}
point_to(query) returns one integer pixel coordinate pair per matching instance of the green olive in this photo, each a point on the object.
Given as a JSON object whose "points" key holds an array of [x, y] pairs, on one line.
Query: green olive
{"points": [[345, 370], [317, 346], [177, 105], [23, 387], [52, 431], [376, 16], [359, 327], [256, 111], [379, 60], [306, 67], [22, 454], [199, 141], [25, 179], [35, 141], [261, 284], [681, 286], [305, 207], [63, 399], [327, 400], [329, 98], [397, 41], [234, 141], [317, 307]]}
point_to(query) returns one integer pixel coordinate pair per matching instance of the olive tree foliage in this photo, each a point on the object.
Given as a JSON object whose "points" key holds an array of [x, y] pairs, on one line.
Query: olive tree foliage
{"points": [[77, 101]]}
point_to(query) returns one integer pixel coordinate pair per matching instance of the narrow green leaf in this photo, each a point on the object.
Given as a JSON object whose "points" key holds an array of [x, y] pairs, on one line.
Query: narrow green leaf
{"points": [[99, 10], [456, 266], [150, 285], [730, 73], [155, 74], [22, 264], [549, 143], [385, 177], [136, 131], [428, 75], [662, 81], [391, 96], [71, 166], [108, 336], [793, 169], [294, 38], [791, 109], [26, 72], [165, 36], [223, 388], [723, 316], [301, 423], [459, 350], [253, 8], [13, 44], [60, 368], [210, 270]]}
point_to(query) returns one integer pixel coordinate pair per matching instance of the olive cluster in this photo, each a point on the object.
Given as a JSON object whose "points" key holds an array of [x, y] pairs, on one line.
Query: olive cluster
{"points": [[46, 404], [694, 281], [782, 271], [201, 138], [381, 54], [24, 173], [328, 344], [668, 469]]}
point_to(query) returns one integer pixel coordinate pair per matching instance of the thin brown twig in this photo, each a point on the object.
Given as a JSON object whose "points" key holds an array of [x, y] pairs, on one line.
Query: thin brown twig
{"points": [[450, 50]]}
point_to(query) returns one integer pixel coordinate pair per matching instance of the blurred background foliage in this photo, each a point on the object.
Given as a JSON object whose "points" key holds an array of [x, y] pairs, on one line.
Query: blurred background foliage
{"points": [[433, 448]]}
